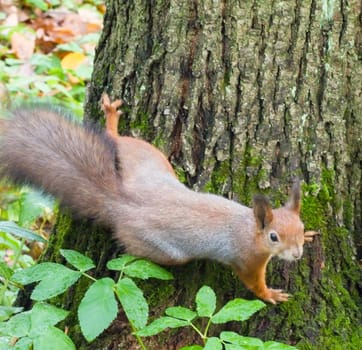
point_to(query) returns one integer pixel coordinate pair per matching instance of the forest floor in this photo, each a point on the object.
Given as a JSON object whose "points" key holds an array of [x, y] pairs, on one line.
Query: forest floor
{"points": [[47, 50]]}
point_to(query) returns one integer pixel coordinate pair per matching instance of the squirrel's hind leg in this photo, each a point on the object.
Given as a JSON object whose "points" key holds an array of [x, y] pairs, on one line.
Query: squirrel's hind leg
{"points": [[112, 115]]}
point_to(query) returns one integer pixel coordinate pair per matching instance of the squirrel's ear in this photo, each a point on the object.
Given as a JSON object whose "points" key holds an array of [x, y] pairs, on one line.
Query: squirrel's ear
{"points": [[262, 211], [294, 197]]}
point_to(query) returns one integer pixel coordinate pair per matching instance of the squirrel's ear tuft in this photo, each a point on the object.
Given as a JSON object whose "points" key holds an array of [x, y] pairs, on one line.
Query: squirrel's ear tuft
{"points": [[262, 211], [294, 202]]}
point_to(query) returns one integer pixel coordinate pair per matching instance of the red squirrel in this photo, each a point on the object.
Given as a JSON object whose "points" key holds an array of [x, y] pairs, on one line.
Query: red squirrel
{"points": [[129, 184]]}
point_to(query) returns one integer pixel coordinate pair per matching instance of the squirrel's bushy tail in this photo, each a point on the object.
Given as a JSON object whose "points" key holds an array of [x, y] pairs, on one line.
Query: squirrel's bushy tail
{"points": [[76, 164]]}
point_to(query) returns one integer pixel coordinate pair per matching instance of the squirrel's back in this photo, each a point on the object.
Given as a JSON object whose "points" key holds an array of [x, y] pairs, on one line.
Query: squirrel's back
{"points": [[44, 147]]}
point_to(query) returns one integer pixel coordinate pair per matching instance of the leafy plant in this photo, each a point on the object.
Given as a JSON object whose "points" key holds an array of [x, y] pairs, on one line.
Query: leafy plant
{"points": [[9, 289], [235, 310], [36, 327], [101, 302], [24, 206]]}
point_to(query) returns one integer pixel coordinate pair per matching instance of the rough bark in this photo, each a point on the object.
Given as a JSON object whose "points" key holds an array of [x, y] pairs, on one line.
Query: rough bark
{"points": [[242, 96]]}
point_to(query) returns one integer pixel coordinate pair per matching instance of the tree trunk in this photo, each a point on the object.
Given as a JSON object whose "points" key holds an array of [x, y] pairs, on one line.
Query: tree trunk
{"points": [[242, 96]]}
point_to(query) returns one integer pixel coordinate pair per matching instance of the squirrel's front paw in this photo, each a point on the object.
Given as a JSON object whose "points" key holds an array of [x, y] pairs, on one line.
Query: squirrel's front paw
{"points": [[309, 235], [274, 295]]}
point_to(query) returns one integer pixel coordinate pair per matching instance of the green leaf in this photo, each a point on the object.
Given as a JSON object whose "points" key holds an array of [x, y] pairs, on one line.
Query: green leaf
{"points": [[13, 228], [39, 272], [53, 338], [161, 324], [237, 339], [38, 4], [146, 269], [70, 47], [213, 343], [192, 347], [273, 345], [84, 71], [55, 279], [205, 302], [9, 241], [133, 302], [78, 260], [237, 310], [5, 270], [181, 313], [34, 273], [120, 263], [98, 308], [44, 315], [18, 325], [43, 64], [34, 322], [140, 268], [237, 347], [33, 204], [7, 311], [51, 287], [89, 38]]}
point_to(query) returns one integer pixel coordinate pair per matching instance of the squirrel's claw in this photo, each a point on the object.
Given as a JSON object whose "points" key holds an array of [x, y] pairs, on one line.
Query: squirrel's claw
{"points": [[276, 295], [117, 103], [110, 108], [309, 235]]}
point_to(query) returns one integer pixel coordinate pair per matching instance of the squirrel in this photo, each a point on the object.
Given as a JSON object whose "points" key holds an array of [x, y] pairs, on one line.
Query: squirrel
{"points": [[130, 185]]}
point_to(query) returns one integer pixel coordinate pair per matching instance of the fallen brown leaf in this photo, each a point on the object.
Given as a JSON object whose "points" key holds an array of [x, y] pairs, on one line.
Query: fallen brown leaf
{"points": [[23, 45]]}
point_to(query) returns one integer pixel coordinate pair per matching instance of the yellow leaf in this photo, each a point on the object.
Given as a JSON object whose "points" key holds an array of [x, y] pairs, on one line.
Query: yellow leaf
{"points": [[72, 60]]}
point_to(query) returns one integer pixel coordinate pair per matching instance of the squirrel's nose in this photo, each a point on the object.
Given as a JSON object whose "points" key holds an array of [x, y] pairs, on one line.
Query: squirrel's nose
{"points": [[297, 254]]}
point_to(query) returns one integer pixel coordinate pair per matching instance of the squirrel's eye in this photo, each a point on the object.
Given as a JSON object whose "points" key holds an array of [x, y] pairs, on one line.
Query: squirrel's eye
{"points": [[274, 237]]}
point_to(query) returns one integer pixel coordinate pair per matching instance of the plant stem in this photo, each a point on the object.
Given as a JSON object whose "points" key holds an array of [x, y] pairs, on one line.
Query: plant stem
{"points": [[18, 252], [207, 328], [198, 332], [134, 330], [89, 276]]}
